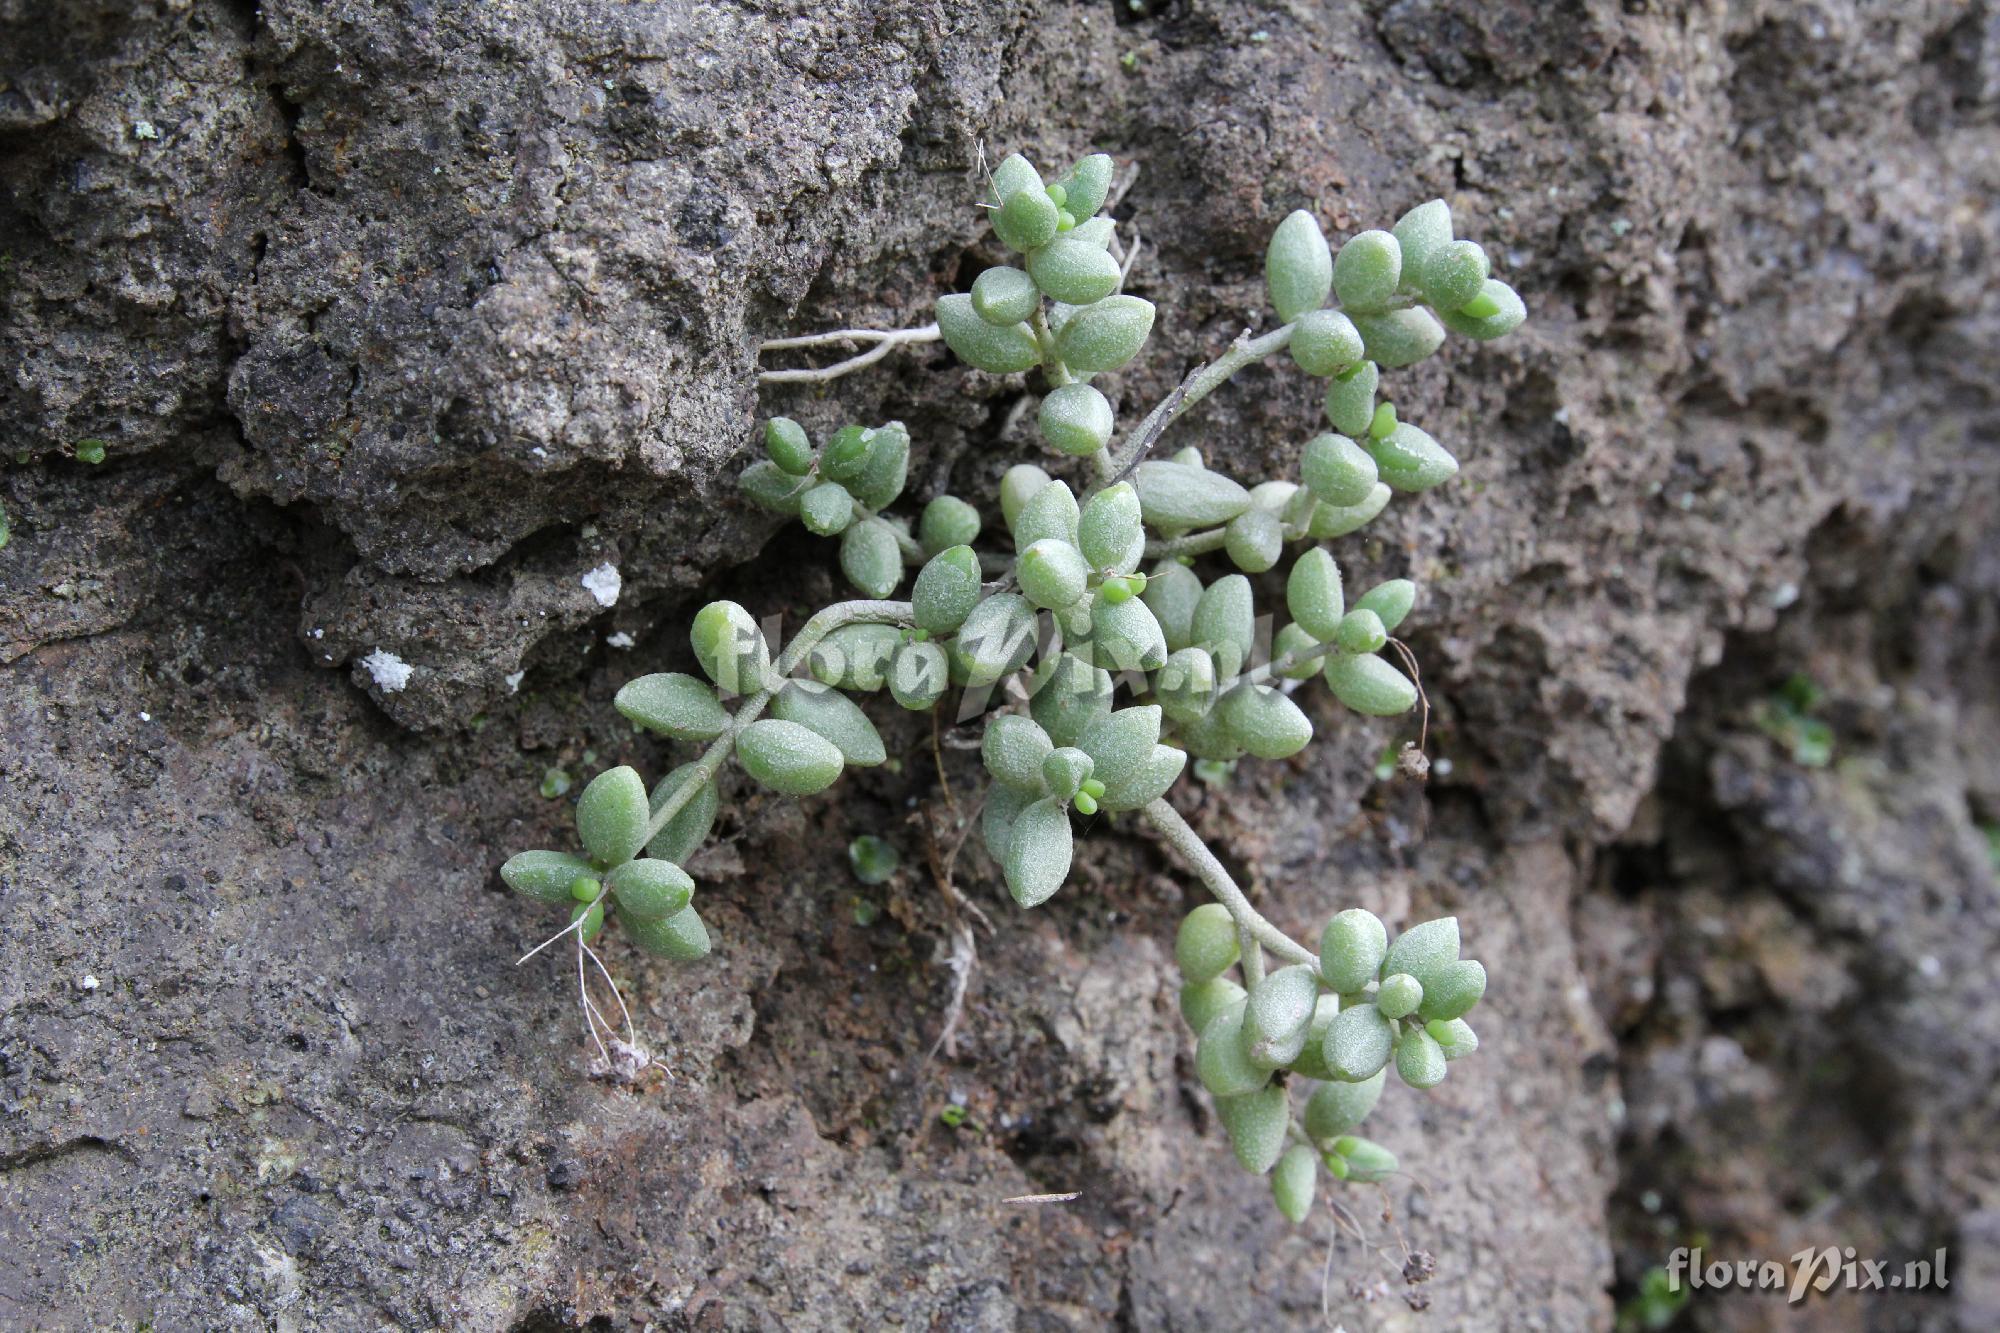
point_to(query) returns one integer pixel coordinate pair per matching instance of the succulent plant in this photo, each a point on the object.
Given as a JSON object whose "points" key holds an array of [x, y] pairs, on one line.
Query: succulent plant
{"points": [[1125, 601]]}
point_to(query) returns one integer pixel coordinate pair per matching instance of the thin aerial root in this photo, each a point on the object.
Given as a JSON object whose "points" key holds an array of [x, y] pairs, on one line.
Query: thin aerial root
{"points": [[885, 340]]}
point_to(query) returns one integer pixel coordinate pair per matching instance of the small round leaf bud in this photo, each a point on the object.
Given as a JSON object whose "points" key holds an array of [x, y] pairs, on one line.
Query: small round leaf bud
{"points": [[1454, 1037], [1399, 996], [592, 916], [1361, 632], [1367, 1162], [1494, 313]]}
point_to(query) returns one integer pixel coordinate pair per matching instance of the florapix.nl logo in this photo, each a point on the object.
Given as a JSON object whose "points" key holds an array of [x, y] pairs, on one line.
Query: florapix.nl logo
{"points": [[1808, 1271]]}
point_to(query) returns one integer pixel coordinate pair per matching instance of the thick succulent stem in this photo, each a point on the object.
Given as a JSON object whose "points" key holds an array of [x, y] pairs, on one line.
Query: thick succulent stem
{"points": [[1203, 381], [1052, 365], [1192, 849]]}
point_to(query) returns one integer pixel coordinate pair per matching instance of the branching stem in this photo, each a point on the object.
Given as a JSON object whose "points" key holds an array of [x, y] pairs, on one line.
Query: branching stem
{"points": [[1201, 382], [824, 623], [885, 340], [1196, 853]]}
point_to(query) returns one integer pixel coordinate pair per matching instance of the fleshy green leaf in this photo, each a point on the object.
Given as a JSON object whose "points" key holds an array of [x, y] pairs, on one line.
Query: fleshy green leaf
{"points": [[1076, 420], [1201, 1001], [785, 441], [1175, 496], [1124, 636], [1004, 296], [1361, 632], [1172, 593], [1351, 949], [947, 589], [1220, 1060], [1496, 312], [885, 468], [1336, 470], [871, 557], [1420, 233], [1329, 521], [611, 815], [1038, 852], [681, 937], [1454, 1037], [1454, 989], [1225, 623], [1207, 946], [1367, 271], [1400, 337], [947, 521], [1087, 185], [826, 509], [1350, 398], [1358, 1043], [771, 487], [730, 647], [1280, 1011], [1264, 721], [1298, 266], [1026, 219], [981, 345], [689, 827], [1185, 684], [1453, 274], [1420, 1060], [919, 674], [996, 639], [1014, 173], [1325, 343], [1106, 335], [832, 716], [1069, 696], [1390, 601], [1424, 951], [1254, 540], [1050, 512], [1410, 460], [649, 889], [1111, 532], [1020, 484], [1293, 1182], [788, 757], [1075, 272], [1256, 1124], [1014, 748], [1313, 593], [675, 705], [545, 876], [1398, 996], [855, 657], [1339, 1108], [1004, 805], [1052, 573], [1369, 685]]}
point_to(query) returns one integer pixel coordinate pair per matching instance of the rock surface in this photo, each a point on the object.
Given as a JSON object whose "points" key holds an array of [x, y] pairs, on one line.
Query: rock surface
{"points": [[397, 321]]}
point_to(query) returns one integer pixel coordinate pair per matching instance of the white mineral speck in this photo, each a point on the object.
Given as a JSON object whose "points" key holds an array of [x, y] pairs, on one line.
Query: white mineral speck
{"points": [[603, 583], [144, 129], [390, 672], [89, 982], [145, 717], [619, 640], [514, 679]]}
